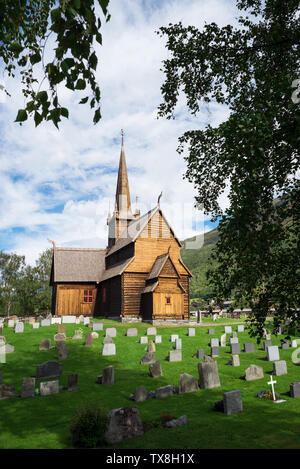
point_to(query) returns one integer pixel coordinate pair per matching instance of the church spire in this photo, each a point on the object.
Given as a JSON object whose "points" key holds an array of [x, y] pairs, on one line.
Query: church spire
{"points": [[123, 203]]}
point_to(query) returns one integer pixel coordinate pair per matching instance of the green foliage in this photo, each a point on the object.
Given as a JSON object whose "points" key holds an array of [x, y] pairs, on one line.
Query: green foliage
{"points": [[87, 428], [255, 152], [73, 25]]}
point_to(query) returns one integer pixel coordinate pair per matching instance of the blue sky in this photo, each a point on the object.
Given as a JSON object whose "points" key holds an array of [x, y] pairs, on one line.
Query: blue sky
{"points": [[58, 184]]}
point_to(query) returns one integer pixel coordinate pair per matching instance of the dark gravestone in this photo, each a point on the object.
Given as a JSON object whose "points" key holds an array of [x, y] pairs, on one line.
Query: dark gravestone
{"points": [[155, 369], [235, 348], [232, 402], [28, 387], [140, 394], [88, 339], [249, 348], [122, 424], [108, 376], [45, 344], [7, 390], [72, 382], [49, 369], [214, 351], [295, 389], [200, 353]]}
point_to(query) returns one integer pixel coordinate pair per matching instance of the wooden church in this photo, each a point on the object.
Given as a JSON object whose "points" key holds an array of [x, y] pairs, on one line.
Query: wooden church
{"points": [[139, 276]]}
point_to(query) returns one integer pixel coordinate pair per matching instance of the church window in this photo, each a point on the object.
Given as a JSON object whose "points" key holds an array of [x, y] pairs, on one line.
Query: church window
{"points": [[88, 296]]}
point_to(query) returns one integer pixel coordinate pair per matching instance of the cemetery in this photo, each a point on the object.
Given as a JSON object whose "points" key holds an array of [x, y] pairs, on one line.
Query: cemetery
{"points": [[216, 387]]}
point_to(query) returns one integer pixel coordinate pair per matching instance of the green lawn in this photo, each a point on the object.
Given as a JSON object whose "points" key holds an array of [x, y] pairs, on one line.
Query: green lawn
{"points": [[42, 421]]}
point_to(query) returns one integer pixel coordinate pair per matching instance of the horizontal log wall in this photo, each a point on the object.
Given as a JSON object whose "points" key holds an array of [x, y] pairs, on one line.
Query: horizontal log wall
{"points": [[132, 285]]}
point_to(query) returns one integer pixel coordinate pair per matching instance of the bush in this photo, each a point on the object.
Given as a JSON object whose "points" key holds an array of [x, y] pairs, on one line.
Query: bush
{"points": [[88, 426]]}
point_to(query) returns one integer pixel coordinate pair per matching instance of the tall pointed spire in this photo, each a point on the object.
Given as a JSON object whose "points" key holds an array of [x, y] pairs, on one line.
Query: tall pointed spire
{"points": [[123, 203]]}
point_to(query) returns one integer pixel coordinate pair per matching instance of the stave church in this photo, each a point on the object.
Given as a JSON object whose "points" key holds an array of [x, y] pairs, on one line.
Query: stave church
{"points": [[139, 276]]}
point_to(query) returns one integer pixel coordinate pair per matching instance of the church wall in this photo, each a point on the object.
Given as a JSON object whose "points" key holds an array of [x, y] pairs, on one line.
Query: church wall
{"points": [[69, 299], [133, 284], [110, 297]]}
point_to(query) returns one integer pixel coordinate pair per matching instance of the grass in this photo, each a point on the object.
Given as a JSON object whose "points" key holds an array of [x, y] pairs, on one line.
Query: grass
{"points": [[42, 421]]}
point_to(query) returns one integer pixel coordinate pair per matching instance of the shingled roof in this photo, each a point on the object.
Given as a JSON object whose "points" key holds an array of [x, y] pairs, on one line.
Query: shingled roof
{"points": [[78, 264]]}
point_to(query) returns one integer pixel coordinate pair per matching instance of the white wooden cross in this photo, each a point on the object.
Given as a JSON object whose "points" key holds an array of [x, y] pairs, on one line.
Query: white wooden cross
{"points": [[272, 385]]}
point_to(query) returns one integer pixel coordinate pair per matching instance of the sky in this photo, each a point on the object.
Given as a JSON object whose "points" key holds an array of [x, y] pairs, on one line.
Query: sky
{"points": [[58, 185]]}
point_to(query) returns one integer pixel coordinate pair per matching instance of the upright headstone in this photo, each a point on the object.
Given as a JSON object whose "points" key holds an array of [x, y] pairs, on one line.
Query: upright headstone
{"points": [[108, 376], [132, 332], [214, 342], [143, 340], [151, 331], [279, 368], [249, 347], [157, 339], [19, 327], [28, 387], [233, 340], [35, 325], [223, 340], [200, 353], [232, 402], [111, 331], [68, 319], [228, 329], [211, 331], [187, 383], [174, 337], [164, 391], [253, 373], [273, 353], [45, 322], [86, 321], [72, 381], [240, 328], [140, 394], [155, 369], [178, 344], [208, 374], [148, 358], [45, 344], [109, 349], [11, 323], [214, 352], [97, 326], [235, 348], [122, 424], [49, 369], [191, 332], [267, 343], [88, 339], [295, 389], [49, 387], [175, 356]]}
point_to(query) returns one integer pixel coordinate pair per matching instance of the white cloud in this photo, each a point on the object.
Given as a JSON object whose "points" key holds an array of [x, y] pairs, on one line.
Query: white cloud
{"points": [[57, 184]]}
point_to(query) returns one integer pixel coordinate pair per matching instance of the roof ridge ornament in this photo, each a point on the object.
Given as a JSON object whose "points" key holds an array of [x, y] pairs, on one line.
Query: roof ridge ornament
{"points": [[52, 242], [158, 200]]}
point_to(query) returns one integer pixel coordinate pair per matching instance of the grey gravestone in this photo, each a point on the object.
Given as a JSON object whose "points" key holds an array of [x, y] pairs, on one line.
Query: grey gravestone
{"points": [[164, 391], [214, 342], [7, 390], [191, 332], [143, 340], [233, 340], [211, 331], [249, 348], [108, 340], [11, 323], [267, 343], [63, 351], [155, 369], [240, 328], [111, 331], [49, 387], [122, 424], [109, 349], [49, 369], [148, 358], [175, 356], [45, 322], [68, 319], [108, 376], [19, 327], [28, 387], [157, 339], [285, 345], [72, 381], [132, 332], [200, 353], [208, 374], [253, 373], [295, 389], [178, 344], [97, 326], [235, 348], [232, 402], [177, 422], [235, 361], [86, 321], [140, 393], [228, 330], [273, 353], [214, 351], [151, 331], [45, 344], [279, 368], [151, 347], [187, 383], [88, 339]]}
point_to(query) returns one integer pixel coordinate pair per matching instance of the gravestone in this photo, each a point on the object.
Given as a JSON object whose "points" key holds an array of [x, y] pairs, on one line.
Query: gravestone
{"points": [[111, 331], [49, 387], [214, 352], [187, 383], [108, 340], [88, 339], [249, 347], [295, 389], [285, 345], [151, 331], [157, 339], [63, 351], [200, 353], [28, 387], [164, 391], [232, 402], [60, 337], [108, 376], [86, 321], [97, 326], [151, 346], [7, 391], [235, 361], [72, 382], [208, 374], [81, 318], [279, 368], [214, 342], [19, 327], [2, 340], [211, 331], [77, 336], [45, 322], [253, 373], [267, 343], [223, 340], [234, 335], [273, 353], [240, 328], [11, 323], [174, 337], [45, 344], [140, 394], [294, 343], [55, 321], [228, 329], [7, 348], [175, 356], [35, 325], [148, 358], [155, 369], [68, 319], [143, 340], [233, 340], [61, 329], [123, 423], [132, 332], [49, 369], [108, 349], [191, 332], [235, 348], [178, 344]]}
